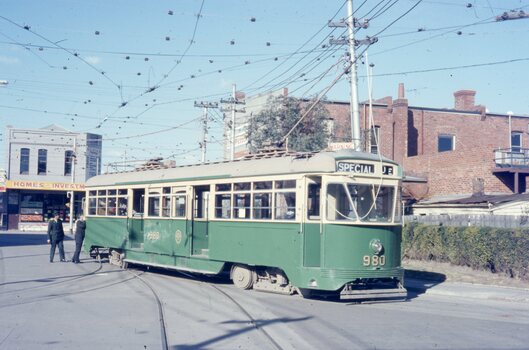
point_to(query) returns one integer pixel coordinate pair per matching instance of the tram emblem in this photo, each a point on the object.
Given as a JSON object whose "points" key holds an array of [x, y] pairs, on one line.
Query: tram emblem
{"points": [[178, 236]]}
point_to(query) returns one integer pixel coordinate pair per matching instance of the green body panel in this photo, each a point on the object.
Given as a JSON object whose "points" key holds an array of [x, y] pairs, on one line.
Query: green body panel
{"points": [[323, 261], [161, 237], [136, 231], [312, 245], [200, 237]]}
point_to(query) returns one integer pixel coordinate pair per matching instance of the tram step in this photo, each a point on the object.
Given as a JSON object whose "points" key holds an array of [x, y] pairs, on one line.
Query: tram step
{"points": [[393, 293]]}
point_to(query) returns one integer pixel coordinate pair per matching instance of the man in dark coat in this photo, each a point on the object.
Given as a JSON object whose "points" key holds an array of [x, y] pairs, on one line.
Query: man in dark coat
{"points": [[80, 227], [56, 236]]}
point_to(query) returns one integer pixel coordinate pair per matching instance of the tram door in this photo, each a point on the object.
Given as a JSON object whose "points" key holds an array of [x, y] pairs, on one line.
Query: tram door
{"points": [[136, 220], [312, 227], [200, 241]]}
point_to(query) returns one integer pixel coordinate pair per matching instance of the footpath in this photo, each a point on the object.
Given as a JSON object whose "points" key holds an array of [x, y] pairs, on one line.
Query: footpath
{"points": [[444, 279]]}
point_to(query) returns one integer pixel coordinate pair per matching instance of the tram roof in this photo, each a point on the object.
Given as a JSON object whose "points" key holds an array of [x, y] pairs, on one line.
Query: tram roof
{"points": [[322, 162]]}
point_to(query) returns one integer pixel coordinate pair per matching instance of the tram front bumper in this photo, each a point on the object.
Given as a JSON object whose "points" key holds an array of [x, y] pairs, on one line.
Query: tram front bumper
{"points": [[352, 292]]}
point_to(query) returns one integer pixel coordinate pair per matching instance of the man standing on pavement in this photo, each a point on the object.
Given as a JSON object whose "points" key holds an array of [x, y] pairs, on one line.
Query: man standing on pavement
{"points": [[56, 236], [80, 227]]}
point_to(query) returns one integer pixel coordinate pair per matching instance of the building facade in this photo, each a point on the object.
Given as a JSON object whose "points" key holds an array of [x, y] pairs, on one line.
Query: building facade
{"points": [[45, 167]]}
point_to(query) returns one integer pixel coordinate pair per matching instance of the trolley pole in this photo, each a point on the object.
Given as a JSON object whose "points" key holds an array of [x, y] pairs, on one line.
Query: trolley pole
{"points": [[204, 143], [352, 23], [233, 101], [72, 193]]}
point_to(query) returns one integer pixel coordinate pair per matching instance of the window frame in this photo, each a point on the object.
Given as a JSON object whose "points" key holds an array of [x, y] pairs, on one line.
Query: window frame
{"points": [[446, 137], [24, 161]]}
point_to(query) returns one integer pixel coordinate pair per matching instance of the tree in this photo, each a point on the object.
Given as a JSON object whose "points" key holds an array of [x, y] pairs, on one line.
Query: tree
{"points": [[270, 126]]}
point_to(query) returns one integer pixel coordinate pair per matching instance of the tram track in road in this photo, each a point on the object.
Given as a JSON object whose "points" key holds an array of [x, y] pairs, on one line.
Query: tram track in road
{"points": [[193, 279]]}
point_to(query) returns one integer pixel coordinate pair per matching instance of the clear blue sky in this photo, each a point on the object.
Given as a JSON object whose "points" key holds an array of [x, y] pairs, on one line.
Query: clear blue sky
{"points": [[69, 65]]}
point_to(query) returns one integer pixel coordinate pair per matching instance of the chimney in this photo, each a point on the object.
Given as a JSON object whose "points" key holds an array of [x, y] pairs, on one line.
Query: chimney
{"points": [[401, 91], [465, 100]]}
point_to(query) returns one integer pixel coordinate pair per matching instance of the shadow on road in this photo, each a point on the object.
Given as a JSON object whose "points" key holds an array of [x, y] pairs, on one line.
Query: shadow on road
{"points": [[24, 239], [421, 281]]}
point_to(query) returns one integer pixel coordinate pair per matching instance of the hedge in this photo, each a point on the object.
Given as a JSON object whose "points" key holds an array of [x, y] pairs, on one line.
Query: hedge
{"points": [[483, 248]]}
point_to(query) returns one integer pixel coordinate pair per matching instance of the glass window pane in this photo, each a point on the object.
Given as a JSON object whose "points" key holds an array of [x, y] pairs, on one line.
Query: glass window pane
{"points": [[286, 184], [92, 193], [111, 192], [241, 186], [42, 162], [24, 161], [223, 187], [241, 208], [262, 206], [154, 206], [68, 160], [122, 206], [166, 205], [180, 206], [101, 193], [92, 206], [262, 185], [122, 192], [222, 206], [102, 206], [111, 206], [339, 207], [445, 143], [285, 206], [166, 190], [313, 201]]}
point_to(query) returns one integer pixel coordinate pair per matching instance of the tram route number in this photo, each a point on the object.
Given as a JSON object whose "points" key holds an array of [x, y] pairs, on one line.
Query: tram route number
{"points": [[374, 260]]}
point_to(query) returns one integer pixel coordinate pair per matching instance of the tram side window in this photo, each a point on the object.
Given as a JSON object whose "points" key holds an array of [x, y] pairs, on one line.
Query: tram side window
{"points": [[262, 206], [223, 206], [179, 203], [166, 202], [154, 202], [313, 202], [101, 206], [241, 208], [92, 205], [122, 202], [285, 206]]}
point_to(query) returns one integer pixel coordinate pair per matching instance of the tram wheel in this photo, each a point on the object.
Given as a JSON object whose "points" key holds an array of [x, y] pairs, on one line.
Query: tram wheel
{"points": [[242, 276]]}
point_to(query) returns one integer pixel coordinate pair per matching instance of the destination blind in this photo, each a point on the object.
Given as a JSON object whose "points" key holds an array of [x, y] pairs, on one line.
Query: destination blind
{"points": [[362, 168]]}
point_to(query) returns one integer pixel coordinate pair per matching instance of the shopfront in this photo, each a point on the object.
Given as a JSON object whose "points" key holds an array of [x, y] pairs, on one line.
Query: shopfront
{"points": [[31, 204]]}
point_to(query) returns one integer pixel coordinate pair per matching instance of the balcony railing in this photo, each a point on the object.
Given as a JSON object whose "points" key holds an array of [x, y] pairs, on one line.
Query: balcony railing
{"points": [[512, 157]]}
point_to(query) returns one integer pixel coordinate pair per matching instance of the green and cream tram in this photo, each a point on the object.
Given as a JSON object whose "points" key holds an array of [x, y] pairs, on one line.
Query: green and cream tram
{"points": [[326, 222]]}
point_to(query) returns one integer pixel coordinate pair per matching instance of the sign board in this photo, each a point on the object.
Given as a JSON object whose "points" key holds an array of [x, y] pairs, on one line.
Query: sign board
{"points": [[363, 168], [45, 186]]}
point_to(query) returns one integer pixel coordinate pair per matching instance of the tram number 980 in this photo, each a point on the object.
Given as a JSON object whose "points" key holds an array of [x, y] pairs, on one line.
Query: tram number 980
{"points": [[374, 260]]}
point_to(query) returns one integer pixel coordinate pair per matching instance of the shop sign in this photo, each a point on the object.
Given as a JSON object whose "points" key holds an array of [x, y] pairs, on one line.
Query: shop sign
{"points": [[48, 186]]}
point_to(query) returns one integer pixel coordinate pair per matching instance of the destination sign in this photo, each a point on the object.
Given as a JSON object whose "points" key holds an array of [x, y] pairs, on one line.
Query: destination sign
{"points": [[363, 168]]}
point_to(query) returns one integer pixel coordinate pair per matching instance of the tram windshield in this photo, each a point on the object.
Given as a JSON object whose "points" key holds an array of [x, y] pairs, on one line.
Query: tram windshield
{"points": [[360, 202]]}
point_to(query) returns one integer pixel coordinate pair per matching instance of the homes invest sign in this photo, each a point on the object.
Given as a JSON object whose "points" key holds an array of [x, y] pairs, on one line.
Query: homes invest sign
{"points": [[47, 186]]}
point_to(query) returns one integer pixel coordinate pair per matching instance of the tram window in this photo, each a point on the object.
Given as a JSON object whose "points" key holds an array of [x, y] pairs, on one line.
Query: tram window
{"points": [[102, 206], [166, 190], [241, 208], [111, 192], [201, 202], [285, 206], [179, 203], [154, 206], [101, 193], [223, 187], [339, 207], [285, 184], [223, 206], [262, 206], [92, 206], [122, 192], [166, 206], [242, 186], [313, 201], [122, 206], [262, 185], [111, 207], [92, 193]]}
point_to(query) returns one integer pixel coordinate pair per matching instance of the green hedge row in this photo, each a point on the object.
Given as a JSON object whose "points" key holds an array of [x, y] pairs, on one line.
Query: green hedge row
{"points": [[483, 248]]}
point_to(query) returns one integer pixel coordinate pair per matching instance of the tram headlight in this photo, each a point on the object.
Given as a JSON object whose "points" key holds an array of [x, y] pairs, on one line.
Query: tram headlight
{"points": [[376, 246]]}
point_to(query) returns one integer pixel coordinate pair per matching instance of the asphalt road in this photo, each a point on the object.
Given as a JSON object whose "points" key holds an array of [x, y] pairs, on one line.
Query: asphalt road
{"points": [[99, 306]]}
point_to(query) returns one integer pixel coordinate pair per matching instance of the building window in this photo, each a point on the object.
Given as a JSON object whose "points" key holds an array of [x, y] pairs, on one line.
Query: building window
{"points": [[68, 161], [24, 161], [516, 141], [446, 143], [374, 139], [42, 163]]}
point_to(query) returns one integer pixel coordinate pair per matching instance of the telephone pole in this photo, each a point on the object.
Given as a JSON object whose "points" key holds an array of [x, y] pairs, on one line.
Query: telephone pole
{"points": [[73, 160], [352, 23], [204, 143], [233, 102]]}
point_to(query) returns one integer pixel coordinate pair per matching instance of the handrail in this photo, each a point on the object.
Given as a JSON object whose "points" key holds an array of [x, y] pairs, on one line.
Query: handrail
{"points": [[512, 157]]}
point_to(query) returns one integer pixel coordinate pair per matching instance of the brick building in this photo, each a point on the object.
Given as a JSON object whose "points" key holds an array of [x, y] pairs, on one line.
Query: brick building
{"points": [[460, 151]]}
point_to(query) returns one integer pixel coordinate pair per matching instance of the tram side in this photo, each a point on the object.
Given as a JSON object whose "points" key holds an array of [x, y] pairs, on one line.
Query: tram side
{"points": [[331, 231]]}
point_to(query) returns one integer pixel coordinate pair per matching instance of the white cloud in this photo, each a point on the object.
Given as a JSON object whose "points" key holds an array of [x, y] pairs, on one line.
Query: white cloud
{"points": [[9, 60], [93, 59]]}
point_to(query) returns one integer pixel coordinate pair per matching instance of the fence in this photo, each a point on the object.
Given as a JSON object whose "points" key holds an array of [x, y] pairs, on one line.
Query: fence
{"points": [[480, 220]]}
